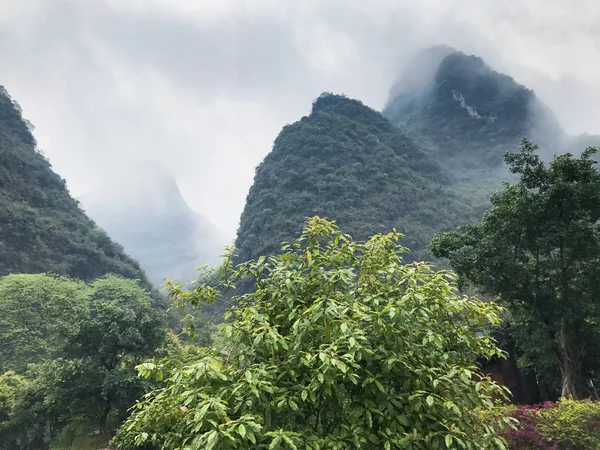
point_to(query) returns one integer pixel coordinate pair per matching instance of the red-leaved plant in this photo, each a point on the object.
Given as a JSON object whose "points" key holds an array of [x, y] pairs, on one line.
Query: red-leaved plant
{"points": [[526, 435]]}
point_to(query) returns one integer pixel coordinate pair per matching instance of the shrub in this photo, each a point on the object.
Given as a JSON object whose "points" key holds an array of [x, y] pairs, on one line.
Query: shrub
{"points": [[572, 425], [339, 346], [565, 425]]}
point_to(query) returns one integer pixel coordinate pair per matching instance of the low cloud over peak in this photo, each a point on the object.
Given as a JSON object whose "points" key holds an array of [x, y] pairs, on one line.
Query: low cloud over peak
{"points": [[203, 88]]}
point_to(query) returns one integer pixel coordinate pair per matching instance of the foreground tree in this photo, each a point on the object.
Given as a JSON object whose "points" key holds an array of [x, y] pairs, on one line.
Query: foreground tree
{"points": [[538, 248], [11, 385], [340, 345]]}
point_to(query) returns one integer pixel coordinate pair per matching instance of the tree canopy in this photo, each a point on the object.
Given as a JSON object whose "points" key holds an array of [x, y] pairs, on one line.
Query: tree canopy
{"points": [[340, 345], [37, 312], [538, 249], [73, 348]]}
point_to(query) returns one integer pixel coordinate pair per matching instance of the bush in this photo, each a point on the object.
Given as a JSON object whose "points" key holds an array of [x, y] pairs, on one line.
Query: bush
{"points": [[339, 346], [572, 425], [565, 425]]}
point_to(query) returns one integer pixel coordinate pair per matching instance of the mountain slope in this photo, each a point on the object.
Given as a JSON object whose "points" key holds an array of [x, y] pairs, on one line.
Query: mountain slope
{"points": [[146, 213], [42, 228], [467, 112], [347, 162]]}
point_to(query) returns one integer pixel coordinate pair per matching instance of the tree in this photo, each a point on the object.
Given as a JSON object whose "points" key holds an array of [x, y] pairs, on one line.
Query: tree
{"points": [[538, 248], [36, 312], [76, 346], [340, 345], [11, 384], [121, 332]]}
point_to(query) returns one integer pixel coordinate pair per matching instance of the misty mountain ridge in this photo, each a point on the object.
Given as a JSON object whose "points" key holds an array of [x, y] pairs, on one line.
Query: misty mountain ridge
{"points": [[347, 162], [145, 212], [427, 163], [466, 111], [42, 228]]}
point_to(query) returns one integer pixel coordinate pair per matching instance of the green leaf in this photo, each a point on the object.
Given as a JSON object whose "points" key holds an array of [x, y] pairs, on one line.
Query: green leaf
{"points": [[290, 442], [275, 442], [211, 440], [429, 400], [448, 439]]}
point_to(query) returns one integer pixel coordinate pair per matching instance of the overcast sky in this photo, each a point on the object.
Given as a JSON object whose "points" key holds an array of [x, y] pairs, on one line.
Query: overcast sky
{"points": [[202, 87]]}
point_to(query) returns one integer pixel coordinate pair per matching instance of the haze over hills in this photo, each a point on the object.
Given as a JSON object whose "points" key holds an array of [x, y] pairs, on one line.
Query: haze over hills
{"points": [[465, 111], [145, 212], [428, 163], [42, 228], [470, 114]]}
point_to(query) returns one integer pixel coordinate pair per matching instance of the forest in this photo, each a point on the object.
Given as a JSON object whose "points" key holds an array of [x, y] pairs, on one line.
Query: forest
{"points": [[370, 291]]}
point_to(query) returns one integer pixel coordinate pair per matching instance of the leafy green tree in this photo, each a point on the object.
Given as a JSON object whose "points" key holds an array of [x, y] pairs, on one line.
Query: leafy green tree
{"points": [[11, 385], [36, 313], [90, 339], [340, 345], [538, 248], [123, 329]]}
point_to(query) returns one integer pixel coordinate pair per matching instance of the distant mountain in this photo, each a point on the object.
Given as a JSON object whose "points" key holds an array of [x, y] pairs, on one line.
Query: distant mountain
{"points": [[145, 212], [42, 228], [346, 162], [466, 112]]}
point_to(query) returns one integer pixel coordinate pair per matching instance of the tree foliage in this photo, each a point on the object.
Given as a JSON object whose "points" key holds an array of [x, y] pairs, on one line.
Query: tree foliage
{"points": [[565, 425], [75, 346], [340, 345], [538, 248], [37, 312], [122, 330]]}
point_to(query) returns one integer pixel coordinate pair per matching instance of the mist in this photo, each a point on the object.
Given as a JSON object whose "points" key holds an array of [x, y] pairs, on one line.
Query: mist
{"points": [[201, 89]]}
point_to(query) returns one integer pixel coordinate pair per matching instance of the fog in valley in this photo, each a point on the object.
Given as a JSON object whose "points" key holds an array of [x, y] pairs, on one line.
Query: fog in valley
{"points": [[198, 90]]}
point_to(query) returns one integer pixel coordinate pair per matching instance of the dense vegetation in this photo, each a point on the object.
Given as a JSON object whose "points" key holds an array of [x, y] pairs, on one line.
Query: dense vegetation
{"points": [[335, 342], [42, 228], [341, 345], [564, 425], [347, 162], [76, 313], [538, 248], [68, 352]]}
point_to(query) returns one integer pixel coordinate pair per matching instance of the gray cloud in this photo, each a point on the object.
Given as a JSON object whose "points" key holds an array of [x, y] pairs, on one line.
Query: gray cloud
{"points": [[203, 87]]}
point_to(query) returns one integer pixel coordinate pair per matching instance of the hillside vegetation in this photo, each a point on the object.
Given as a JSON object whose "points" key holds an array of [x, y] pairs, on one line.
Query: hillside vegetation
{"points": [[338, 338], [42, 228], [346, 161]]}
